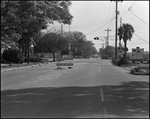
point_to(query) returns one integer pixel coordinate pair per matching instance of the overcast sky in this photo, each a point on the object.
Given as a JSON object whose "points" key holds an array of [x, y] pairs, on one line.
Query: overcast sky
{"points": [[94, 17]]}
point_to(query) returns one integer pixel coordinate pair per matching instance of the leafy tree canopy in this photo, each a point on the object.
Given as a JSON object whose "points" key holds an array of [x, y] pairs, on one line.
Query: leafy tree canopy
{"points": [[19, 17]]}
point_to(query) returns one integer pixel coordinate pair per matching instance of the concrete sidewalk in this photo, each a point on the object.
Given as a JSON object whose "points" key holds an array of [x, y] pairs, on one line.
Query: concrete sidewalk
{"points": [[7, 67], [144, 67]]}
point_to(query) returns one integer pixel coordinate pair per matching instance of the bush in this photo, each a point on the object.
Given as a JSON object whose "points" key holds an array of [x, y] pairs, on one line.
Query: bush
{"points": [[2, 60], [118, 62], [12, 56], [34, 59], [113, 60], [77, 57]]}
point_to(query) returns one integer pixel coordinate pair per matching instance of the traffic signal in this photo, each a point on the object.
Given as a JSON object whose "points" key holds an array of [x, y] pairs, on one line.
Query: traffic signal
{"points": [[115, 0], [96, 38]]}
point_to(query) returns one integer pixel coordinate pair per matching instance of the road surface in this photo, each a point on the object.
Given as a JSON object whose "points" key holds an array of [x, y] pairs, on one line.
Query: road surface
{"points": [[92, 88]]}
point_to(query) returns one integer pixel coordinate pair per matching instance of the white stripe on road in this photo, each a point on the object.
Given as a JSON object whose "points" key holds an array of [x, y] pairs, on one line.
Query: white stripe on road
{"points": [[99, 69], [102, 95], [103, 101]]}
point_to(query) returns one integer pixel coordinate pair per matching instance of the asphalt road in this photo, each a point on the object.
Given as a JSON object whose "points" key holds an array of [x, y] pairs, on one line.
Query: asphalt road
{"points": [[92, 88]]}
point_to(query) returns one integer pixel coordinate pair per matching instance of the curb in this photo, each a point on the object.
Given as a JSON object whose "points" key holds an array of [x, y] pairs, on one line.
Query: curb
{"points": [[11, 69]]}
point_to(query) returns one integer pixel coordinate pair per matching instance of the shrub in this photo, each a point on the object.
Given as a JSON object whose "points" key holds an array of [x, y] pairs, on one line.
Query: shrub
{"points": [[2, 60], [113, 60], [12, 55], [34, 59]]}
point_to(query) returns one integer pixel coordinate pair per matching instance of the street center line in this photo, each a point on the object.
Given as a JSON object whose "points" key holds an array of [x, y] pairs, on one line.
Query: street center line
{"points": [[99, 69], [103, 101]]}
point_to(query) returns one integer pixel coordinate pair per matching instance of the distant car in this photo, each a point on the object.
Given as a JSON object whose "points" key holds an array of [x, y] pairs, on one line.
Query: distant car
{"points": [[105, 57]]}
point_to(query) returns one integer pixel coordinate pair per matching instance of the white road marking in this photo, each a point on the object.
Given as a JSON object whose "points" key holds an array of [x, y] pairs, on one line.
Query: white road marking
{"points": [[99, 69], [103, 101], [102, 95]]}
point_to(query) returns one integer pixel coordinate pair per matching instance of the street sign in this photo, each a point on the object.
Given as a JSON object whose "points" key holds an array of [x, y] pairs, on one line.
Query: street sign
{"points": [[125, 49], [120, 48]]}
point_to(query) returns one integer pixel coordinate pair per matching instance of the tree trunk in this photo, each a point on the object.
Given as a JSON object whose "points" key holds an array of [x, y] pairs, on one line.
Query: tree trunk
{"points": [[25, 53], [125, 54], [53, 56]]}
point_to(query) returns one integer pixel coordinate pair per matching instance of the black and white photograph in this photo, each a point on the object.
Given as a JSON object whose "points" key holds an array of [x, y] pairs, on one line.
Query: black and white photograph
{"points": [[74, 59]]}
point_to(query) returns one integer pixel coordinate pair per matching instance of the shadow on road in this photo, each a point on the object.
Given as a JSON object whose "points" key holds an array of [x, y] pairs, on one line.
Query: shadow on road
{"points": [[125, 100], [128, 99]]}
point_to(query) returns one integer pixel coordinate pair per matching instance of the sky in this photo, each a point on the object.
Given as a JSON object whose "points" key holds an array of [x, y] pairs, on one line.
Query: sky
{"points": [[92, 18]]}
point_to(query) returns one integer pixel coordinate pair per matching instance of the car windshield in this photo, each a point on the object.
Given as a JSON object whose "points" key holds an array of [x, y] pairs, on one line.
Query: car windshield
{"points": [[74, 59]]}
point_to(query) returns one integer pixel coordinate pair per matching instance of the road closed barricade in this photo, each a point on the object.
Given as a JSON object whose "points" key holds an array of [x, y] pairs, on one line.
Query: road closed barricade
{"points": [[61, 64], [64, 64]]}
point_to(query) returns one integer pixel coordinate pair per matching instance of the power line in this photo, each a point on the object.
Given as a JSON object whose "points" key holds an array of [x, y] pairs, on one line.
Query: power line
{"points": [[126, 11], [141, 38], [120, 6], [109, 9], [99, 27], [112, 16], [139, 18], [113, 27], [125, 7], [98, 33], [137, 43], [133, 3], [92, 24], [141, 32], [129, 9]]}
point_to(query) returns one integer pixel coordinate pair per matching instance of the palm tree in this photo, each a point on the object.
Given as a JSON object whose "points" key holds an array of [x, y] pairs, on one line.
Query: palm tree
{"points": [[125, 32]]}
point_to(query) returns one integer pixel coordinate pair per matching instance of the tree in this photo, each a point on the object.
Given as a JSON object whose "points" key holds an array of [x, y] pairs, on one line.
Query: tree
{"points": [[51, 42], [21, 18], [109, 51], [88, 49], [76, 39], [125, 32], [79, 44], [16, 15]]}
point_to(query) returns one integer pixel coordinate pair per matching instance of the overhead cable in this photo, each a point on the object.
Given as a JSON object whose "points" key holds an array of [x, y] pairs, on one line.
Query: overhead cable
{"points": [[112, 16], [142, 33], [125, 7], [139, 18], [109, 9], [120, 6], [137, 43], [92, 24], [99, 27], [126, 11], [141, 38]]}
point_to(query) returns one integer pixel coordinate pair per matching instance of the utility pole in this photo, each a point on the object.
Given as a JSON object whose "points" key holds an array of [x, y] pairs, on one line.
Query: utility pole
{"points": [[69, 41], [116, 32], [107, 38], [120, 26], [61, 29], [28, 47], [61, 35], [117, 12]]}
